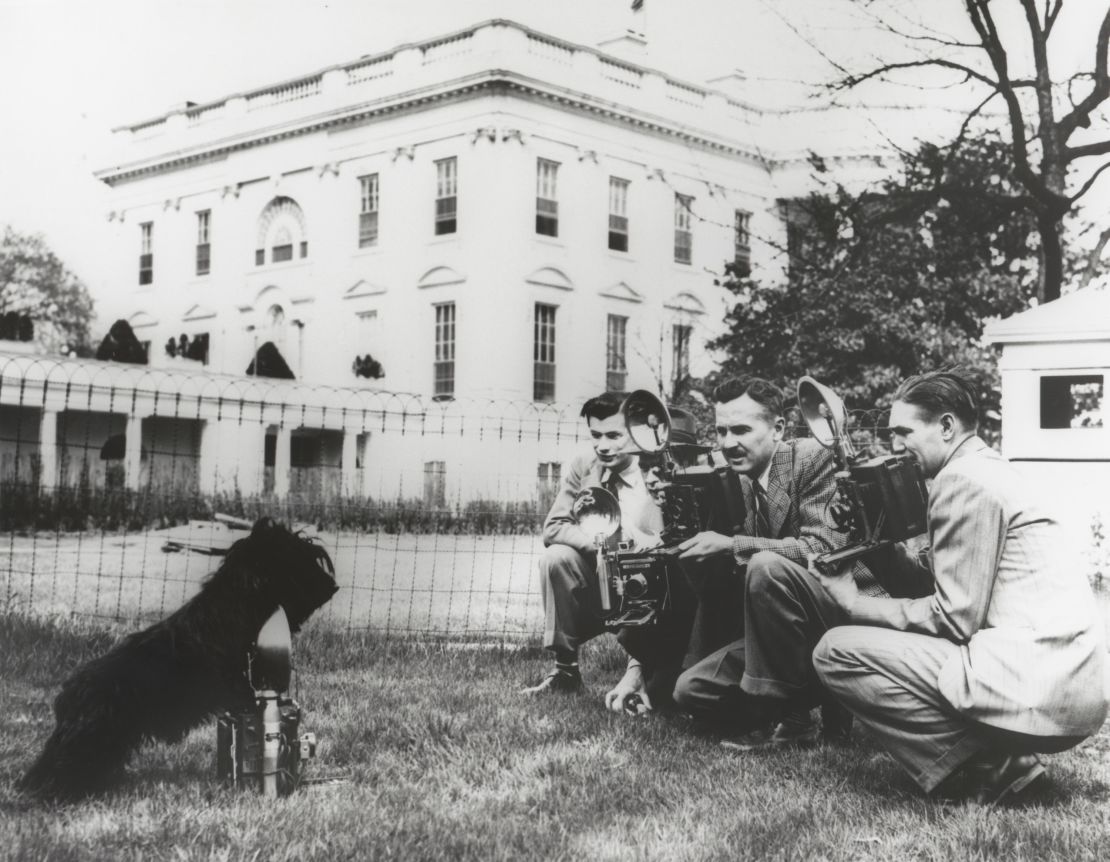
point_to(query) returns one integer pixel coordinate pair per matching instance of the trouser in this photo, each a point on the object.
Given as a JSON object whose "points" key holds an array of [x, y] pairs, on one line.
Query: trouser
{"points": [[573, 616], [786, 611], [718, 587], [888, 680]]}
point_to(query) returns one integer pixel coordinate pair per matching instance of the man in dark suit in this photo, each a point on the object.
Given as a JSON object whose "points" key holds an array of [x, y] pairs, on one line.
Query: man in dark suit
{"points": [[763, 682]]}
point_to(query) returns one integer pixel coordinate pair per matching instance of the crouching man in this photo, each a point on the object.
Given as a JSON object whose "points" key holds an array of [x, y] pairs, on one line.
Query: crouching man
{"points": [[1004, 659], [760, 688], [568, 568]]}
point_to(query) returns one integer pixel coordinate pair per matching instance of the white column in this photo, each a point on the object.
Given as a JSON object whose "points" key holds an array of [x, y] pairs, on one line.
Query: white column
{"points": [[206, 458], [282, 454], [132, 453], [367, 472], [348, 460], [48, 450]]}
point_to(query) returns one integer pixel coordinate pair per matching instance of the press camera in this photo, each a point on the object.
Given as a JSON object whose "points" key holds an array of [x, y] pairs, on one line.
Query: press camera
{"points": [[263, 749], [635, 585], [878, 500]]}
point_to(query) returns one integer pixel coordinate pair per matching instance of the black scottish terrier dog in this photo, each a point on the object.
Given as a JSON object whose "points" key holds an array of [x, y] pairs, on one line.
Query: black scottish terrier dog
{"points": [[162, 682]]}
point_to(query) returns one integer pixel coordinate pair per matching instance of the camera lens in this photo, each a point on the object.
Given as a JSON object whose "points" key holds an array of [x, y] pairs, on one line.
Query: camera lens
{"points": [[636, 586]]}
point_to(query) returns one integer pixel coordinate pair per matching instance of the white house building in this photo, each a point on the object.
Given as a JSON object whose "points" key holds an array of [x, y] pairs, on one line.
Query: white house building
{"points": [[493, 215]]}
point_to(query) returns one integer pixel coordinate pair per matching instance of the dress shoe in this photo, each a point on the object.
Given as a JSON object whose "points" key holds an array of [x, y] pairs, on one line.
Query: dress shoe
{"points": [[561, 679], [796, 729], [836, 724], [1005, 778]]}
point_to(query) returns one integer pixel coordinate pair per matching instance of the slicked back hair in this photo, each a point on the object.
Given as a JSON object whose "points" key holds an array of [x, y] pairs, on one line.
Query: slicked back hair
{"points": [[940, 392], [603, 406], [762, 392]]}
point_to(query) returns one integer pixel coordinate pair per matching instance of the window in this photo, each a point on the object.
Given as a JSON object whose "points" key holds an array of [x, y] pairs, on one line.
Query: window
{"points": [[368, 211], [435, 484], [198, 348], [447, 190], [742, 237], [195, 347], [543, 353], [1072, 402], [616, 370], [680, 356], [618, 214], [204, 230], [683, 237], [282, 249], [281, 229], [146, 252], [445, 351], [547, 205]]}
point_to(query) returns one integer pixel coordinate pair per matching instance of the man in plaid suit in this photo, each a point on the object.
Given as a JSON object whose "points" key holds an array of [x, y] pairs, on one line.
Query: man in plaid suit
{"points": [[1001, 655], [762, 681]]}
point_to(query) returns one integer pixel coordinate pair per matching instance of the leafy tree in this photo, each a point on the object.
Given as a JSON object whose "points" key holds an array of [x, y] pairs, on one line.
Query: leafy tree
{"points": [[885, 284], [1056, 123], [37, 289]]}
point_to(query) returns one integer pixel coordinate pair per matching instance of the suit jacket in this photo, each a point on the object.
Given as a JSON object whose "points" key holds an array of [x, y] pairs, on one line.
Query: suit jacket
{"points": [[560, 527], [800, 487], [1010, 591]]}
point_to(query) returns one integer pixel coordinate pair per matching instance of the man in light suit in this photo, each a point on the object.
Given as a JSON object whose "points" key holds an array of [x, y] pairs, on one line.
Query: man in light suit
{"points": [[568, 568], [759, 679], [1004, 658]]}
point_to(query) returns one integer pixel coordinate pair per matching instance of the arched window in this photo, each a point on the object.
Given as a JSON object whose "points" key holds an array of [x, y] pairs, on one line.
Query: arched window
{"points": [[281, 232]]}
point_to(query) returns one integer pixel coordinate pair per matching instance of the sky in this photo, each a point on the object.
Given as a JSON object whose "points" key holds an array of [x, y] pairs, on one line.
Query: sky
{"points": [[74, 69]]}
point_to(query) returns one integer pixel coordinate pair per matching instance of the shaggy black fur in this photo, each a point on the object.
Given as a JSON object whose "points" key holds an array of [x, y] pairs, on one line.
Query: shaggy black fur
{"points": [[162, 682]]}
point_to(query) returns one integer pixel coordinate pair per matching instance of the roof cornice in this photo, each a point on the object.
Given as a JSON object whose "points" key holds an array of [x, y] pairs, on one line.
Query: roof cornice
{"points": [[492, 81]]}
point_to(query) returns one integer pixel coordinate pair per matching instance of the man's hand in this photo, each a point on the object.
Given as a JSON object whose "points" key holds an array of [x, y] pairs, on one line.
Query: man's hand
{"points": [[631, 683], [705, 545], [840, 585]]}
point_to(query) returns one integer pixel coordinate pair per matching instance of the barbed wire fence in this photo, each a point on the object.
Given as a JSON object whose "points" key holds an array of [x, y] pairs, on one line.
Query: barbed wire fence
{"points": [[120, 486]]}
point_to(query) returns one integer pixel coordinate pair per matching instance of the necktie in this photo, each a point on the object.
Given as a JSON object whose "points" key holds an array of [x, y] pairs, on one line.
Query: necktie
{"points": [[762, 518], [612, 484]]}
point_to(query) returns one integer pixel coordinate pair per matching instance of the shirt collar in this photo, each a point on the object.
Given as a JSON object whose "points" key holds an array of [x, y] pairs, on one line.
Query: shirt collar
{"points": [[765, 476], [628, 475]]}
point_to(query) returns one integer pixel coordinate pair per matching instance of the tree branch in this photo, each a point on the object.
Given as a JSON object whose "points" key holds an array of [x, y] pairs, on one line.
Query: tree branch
{"points": [[983, 22], [1080, 115], [1051, 10], [966, 124], [1094, 258], [1099, 148], [1090, 182], [850, 81]]}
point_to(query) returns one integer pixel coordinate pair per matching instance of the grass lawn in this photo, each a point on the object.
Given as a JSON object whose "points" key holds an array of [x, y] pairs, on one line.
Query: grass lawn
{"points": [[444, 760]]}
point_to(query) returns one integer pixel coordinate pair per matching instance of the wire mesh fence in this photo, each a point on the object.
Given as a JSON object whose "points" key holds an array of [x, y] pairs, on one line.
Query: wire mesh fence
{"points": [[120, 485]]}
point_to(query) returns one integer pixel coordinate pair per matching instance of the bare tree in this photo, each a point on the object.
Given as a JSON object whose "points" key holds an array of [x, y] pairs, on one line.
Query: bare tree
{"points": [[1059, 140]]}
